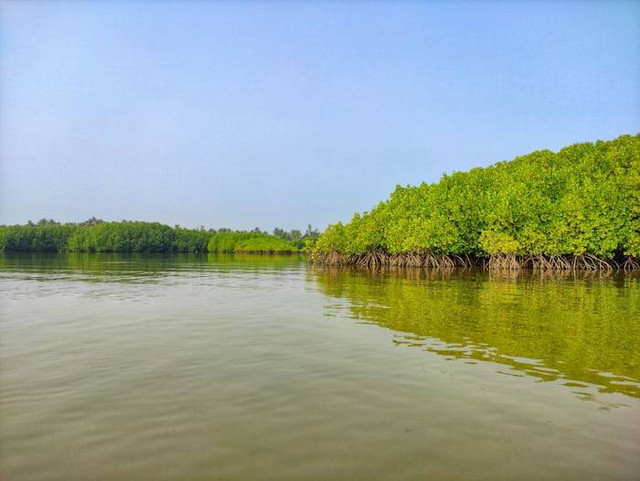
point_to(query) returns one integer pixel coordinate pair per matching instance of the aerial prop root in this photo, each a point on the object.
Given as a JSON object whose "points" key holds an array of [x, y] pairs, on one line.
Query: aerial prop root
{"points": [[631, 263], [377, 259]]}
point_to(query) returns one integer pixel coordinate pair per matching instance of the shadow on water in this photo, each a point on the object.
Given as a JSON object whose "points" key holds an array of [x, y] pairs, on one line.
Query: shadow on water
{"points": [[577, 329]]}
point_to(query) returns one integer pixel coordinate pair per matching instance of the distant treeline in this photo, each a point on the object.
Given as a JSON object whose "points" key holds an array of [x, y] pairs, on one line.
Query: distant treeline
{"points": [[95, 235], [577, 208]]}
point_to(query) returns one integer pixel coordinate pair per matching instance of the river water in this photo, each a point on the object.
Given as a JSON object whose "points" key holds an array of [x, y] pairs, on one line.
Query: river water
{"points": [[118, 367]]}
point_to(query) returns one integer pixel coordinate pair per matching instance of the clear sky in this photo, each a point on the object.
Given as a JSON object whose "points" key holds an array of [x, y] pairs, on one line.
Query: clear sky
{"points": [[244, 114]]}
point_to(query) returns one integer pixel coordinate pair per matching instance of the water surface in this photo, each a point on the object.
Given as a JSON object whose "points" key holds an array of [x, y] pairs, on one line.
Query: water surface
{"points": [[132, 367]]}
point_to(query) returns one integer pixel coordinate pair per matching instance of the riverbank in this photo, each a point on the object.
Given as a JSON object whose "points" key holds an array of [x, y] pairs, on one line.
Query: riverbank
{"points": [[586, 262]]}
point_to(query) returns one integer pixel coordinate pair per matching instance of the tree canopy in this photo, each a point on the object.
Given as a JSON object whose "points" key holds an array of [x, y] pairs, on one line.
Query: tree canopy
{"points": [[95, 235], [582, 200]]}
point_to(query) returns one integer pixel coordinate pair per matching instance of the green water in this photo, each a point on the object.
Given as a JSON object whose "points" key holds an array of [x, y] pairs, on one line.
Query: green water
{"points": [[245, 367]]}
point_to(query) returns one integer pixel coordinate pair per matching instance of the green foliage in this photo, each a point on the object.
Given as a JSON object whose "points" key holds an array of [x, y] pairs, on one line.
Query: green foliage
{"points": [[194, 241], [301, 241], [124, 236], [43, 237], [498, 242], [583, 199], [254, 241], [266, 244], [333, 239], [96, 235]]}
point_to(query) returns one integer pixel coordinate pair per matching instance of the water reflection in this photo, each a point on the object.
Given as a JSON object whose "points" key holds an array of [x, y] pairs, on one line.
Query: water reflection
{"points": [[580, 330], [109, 276], [168, 367], [114, 267]]}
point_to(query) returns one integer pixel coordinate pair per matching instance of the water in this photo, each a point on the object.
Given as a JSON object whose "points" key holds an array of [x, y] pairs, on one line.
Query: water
{"points": [[241, 368]]}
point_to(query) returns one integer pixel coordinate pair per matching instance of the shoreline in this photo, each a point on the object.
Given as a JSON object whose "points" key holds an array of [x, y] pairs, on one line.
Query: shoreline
{"points": [[584, 262]]}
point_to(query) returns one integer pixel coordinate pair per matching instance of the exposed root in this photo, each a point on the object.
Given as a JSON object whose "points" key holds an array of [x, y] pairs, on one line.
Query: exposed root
{"points": [[631, 263], [504, 262], [382, 259], [510, 262]]}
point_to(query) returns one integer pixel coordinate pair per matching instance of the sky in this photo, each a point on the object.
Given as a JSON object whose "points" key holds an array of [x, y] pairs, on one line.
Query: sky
{"points": [[281, 114]]}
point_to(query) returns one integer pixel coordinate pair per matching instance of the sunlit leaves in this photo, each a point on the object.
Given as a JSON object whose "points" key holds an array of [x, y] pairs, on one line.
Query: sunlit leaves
{"points": [[583, 199]]}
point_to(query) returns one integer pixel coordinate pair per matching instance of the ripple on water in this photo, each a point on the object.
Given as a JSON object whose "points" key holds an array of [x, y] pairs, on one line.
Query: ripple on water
{"points": [[241, 368]]}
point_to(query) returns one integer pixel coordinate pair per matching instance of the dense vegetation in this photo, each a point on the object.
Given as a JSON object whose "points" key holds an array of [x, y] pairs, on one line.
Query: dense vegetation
{"points": [[301, 241], [96, 235], [248, 242], [577, 208]]}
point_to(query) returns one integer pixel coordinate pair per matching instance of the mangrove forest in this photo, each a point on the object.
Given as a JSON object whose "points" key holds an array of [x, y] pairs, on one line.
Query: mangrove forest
{"points": [[578, 208], [95, 235]]}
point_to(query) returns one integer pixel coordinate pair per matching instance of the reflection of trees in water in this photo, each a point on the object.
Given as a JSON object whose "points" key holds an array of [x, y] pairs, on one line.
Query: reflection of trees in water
{"points": [[549, 325], [119, 267], [110, 267]]}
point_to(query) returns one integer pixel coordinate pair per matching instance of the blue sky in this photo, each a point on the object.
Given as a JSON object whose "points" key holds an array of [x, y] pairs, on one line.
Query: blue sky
{"points": [[244, 114]]}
